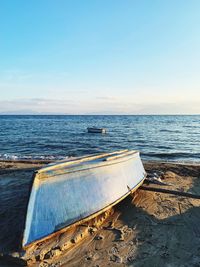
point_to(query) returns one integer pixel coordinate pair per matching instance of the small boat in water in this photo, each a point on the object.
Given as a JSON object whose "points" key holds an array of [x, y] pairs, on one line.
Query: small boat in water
{"points": [[96, 130], [76, 190]]}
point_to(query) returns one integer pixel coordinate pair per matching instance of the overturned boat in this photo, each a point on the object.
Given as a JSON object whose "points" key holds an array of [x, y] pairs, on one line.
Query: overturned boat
{"points": [[73, 191]]}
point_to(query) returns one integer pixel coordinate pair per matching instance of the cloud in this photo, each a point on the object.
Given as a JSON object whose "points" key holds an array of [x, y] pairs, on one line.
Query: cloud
{"points": [[109, 98], [37, 105], [171, 108], [95, 105], [124, 106]]}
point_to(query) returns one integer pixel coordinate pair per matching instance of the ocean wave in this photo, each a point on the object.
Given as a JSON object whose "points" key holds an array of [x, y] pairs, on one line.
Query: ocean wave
{"points": [[29, 157], [170, 131], [191, 126], [171, 155]]}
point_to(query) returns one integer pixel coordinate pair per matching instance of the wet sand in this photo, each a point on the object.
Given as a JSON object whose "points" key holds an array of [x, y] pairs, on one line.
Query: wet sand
{"points": [[146, 229]]}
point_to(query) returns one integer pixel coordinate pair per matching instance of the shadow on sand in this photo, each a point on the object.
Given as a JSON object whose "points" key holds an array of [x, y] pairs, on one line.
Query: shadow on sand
{"points": [[15, 185], [167, 227]]}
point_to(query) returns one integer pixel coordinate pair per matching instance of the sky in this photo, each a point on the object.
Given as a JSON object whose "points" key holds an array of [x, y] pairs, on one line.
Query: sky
{"points": [[99, 57]]}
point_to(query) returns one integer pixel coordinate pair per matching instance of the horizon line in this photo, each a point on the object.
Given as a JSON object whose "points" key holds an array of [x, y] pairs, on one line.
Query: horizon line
{"points": [[164, 114]]}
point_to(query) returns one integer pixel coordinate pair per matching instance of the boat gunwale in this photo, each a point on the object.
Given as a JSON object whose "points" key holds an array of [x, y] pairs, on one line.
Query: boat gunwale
{"points": [[57, 172], [64, 163], [83, 220]]}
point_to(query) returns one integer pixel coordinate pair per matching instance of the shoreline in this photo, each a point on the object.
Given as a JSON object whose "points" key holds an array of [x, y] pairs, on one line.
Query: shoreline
{"points": [[147, 229], [37, 161]]}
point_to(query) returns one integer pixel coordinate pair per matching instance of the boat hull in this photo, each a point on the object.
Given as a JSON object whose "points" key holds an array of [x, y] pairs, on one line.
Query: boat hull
{"points": [[62, 196], [96, 130]]}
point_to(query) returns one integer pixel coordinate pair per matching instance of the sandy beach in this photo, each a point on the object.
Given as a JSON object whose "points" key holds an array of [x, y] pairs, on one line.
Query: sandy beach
{"points": [[145, 229]]}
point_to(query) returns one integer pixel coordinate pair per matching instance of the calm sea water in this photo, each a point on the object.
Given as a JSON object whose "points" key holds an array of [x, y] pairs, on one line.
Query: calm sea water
{"points": [[174, 138]]}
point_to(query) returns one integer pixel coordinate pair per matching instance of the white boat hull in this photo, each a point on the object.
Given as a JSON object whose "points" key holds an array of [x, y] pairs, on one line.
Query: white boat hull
{"points": [[66, 193]]}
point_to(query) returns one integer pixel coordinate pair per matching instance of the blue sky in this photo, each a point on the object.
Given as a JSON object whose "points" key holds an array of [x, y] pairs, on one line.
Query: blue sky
{"points": [[100, 57]]}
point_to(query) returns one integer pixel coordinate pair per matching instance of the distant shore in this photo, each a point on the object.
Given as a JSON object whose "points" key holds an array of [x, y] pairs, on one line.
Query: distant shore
{"points": [[152, 230]]}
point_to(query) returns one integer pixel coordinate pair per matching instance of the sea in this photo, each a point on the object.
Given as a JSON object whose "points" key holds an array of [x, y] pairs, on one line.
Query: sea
{"points": [[51, 137]]}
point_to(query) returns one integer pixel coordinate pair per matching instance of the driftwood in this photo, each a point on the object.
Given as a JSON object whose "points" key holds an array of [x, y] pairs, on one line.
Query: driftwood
{"points": [[167, 191]]}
